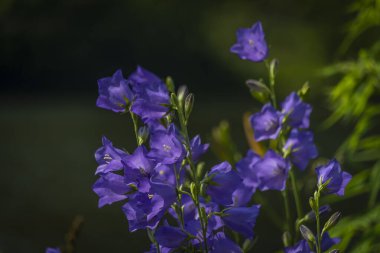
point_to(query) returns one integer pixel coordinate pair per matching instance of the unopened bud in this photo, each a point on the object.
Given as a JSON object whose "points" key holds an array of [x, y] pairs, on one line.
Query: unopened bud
{"points": [[257, 86], [331, 222], [304, 90], [307, 234], [189, 103], [286, 239], [181, 94], [170, 84], [142, 135]]}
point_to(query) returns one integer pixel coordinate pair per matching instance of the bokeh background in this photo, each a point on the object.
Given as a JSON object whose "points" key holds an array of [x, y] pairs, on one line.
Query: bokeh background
{"points": [[53, 52]]}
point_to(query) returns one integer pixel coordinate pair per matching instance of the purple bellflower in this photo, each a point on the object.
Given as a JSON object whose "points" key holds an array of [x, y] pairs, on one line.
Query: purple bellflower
{"points": [[242, 219], [166, 146], [221, 244], [197, 148], [145, 210], [170, 237], [266, 123], [300, 145], [296, 112], [303, 247], [300, 247], [272, 172], [246, 170], [110, 188], [108, 157], [151, 95], [53, 250], [251, 44], [327, 242], [224, 182], [138, 169], [114, 92], [338, 178]]}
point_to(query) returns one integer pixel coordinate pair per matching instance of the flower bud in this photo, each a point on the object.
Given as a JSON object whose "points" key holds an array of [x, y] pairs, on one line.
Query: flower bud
{"points": [[181, 94], [142, 135], [257, 86], [307, 234], [273, 67], [331, 222], [170, 84], [312, 203], [286, 239], [304, 90], [189, 103]]}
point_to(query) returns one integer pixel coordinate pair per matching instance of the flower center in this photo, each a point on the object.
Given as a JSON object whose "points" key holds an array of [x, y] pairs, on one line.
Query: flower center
{"points": [[166, 148], [107, 158]]}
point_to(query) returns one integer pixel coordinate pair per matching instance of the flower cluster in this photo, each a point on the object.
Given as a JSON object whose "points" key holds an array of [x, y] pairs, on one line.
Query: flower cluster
{"points": [[160, 180], [187, 207]]}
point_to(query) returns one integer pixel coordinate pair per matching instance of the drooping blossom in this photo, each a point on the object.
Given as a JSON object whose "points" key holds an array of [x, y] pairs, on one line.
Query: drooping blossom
{"points": [[266, 123], [151, 95], [272, 172], [338, 178], [224, 182], [114, 92], [246, 170], [170, 237], [111, 188], [145, 210], [296, 112], [301, 148], [242, 219], [197, 148], [251, 44], [166, 146], [219, 243], [108, 157], [138, 169]]}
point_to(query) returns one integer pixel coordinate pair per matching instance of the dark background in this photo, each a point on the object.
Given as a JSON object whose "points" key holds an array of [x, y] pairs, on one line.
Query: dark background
{"points": [[52, 53]]}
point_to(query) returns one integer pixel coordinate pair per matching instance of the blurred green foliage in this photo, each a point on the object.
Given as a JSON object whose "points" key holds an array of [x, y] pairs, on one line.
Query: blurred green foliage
{"points": [[354, 100]]}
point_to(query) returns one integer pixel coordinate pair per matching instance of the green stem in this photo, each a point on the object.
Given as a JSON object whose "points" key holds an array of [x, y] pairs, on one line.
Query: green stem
{"points": [[287, 212], [271, 84], [318, 222], [135, 126], [297, 198], [185, 134], [179, 199]]}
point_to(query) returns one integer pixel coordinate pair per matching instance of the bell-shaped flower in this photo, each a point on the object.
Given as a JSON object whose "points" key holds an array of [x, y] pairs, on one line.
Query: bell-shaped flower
{"points": [[242, 219], [111, 188], [266, 124], [145, 210], [223, 182], [170, 237], [272, 172], [108, 157], [114, 92], [151, 95], [296, 112], [301, 148], [338, 178], [251, 44], [138, 169], [197, 148], [219, 243], [166, 146], [246, 170]]}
